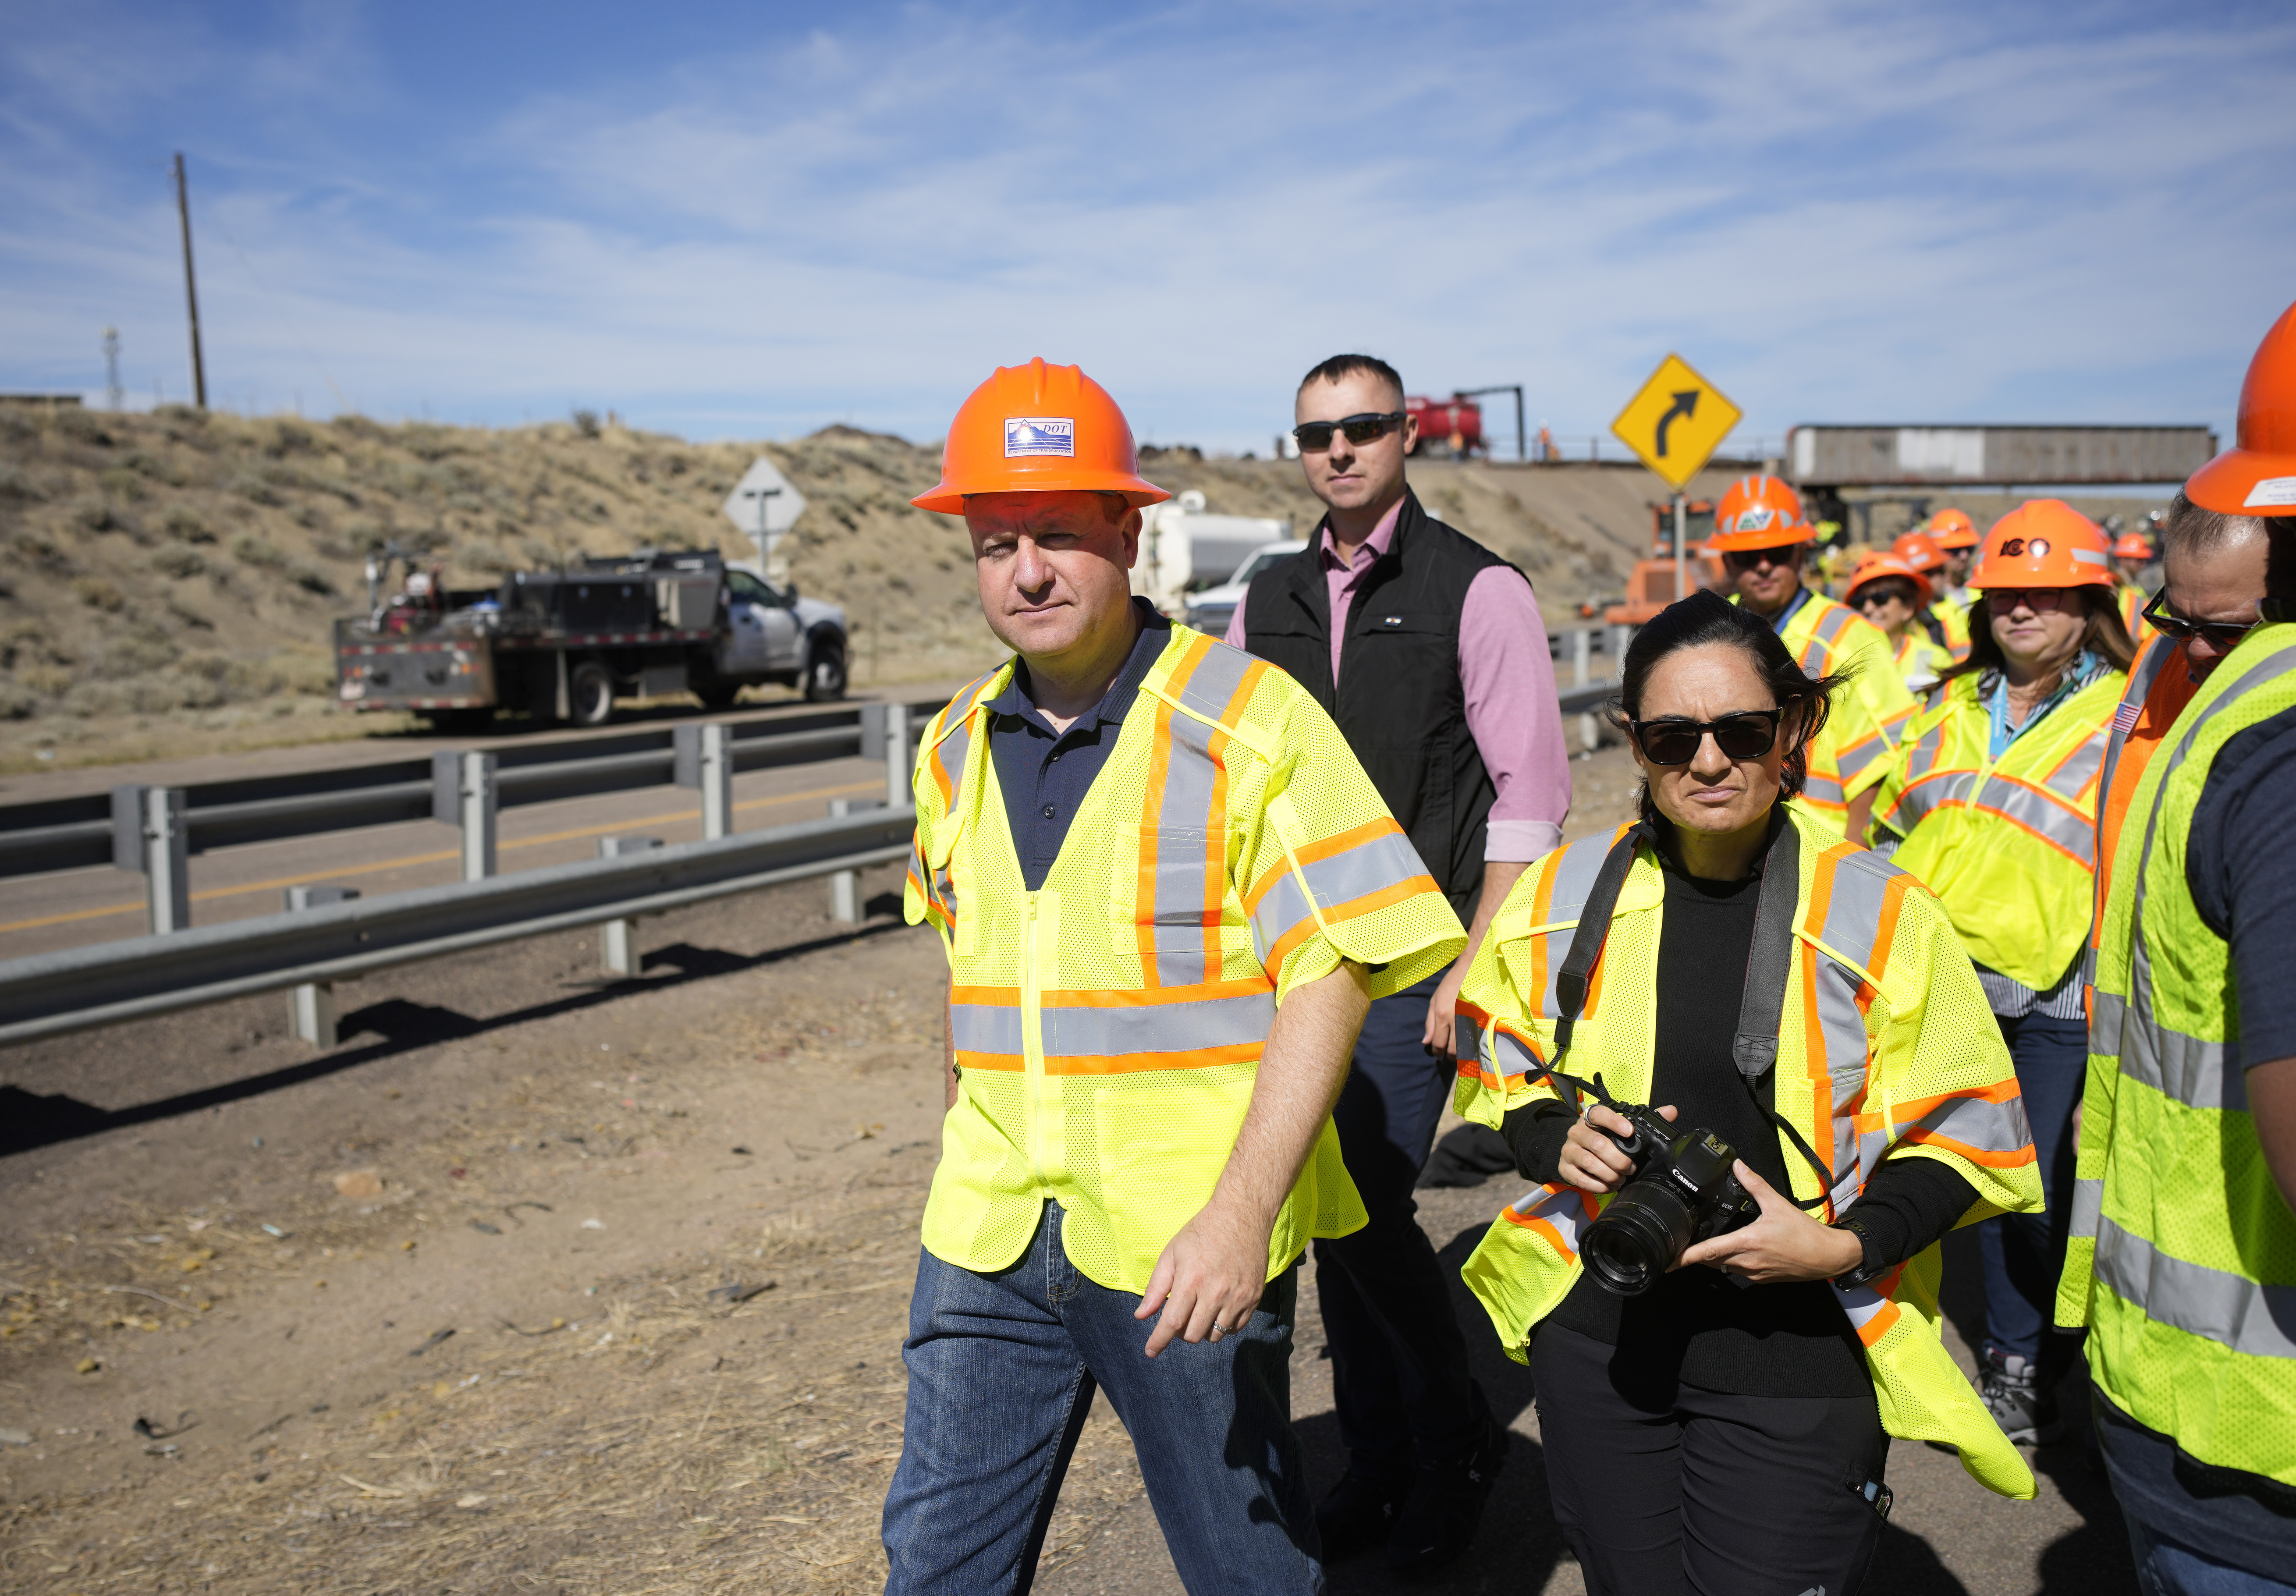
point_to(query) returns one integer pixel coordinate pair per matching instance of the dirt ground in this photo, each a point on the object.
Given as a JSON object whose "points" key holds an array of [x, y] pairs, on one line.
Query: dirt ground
{"points": [[542, 1282]]}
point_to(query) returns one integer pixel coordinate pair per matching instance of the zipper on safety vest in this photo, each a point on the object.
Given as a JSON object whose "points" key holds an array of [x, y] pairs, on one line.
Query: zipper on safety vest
{"points": [[1032, 1037]]}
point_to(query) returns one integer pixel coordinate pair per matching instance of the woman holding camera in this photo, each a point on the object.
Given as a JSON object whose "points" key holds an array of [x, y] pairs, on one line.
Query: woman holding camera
{"points": [[1992, 803], [1716, 1407]]}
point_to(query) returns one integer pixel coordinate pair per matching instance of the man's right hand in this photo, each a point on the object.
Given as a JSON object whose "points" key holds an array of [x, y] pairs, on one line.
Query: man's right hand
{"points": [[1591, 1161]]}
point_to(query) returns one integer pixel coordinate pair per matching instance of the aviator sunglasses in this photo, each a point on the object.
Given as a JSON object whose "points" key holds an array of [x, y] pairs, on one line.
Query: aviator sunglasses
{"points": [[2222, 634], [1748, 735], [1314, 437]]}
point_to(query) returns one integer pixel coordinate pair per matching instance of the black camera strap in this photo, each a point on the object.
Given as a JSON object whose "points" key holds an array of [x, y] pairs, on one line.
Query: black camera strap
{"points": [[1769, 965]]}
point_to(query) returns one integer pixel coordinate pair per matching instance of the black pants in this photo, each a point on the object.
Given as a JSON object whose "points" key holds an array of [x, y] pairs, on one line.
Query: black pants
{"points": [[1398, 1362], [1662, 1487]]}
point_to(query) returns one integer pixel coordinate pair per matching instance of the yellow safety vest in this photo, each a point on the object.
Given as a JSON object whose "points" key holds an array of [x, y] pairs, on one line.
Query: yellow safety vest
{"points": [[1885, 1047], [1865, 718], [1108, 1025], [1920, 662], [2132, 600], [2008, 845], [2182, 1260], [1954, 618]]}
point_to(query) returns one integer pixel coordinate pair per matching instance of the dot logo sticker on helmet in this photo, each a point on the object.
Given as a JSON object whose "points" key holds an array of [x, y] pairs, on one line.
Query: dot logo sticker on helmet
{"points": [[2039, 548], [1039, 435]]}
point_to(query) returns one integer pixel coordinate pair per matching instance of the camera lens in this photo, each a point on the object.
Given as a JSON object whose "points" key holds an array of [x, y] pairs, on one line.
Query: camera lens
{"points": [[1637, 1238]]}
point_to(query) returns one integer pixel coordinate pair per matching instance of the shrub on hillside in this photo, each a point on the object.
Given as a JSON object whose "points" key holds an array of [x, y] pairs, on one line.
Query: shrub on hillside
{"points": [[178, 560]]}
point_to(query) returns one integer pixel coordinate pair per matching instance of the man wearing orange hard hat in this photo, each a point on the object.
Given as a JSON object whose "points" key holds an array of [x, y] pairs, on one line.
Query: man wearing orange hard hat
{"points": [[1168, 893], [1946, 619], [1764, 539], [2182, 1265]]}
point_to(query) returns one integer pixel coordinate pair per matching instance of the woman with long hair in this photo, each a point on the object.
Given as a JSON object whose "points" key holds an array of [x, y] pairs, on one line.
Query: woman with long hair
{"points": [[1747, 1069], [1992, 803]]}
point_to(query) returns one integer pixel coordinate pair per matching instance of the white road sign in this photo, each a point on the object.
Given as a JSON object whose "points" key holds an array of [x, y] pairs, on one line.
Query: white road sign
{"points": [[763, 504]]}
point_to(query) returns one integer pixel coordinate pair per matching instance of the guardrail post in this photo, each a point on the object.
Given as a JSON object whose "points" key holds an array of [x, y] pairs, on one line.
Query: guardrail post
{"points": [[464, 794], [1582, 649], [845, 885], [1620, 635], [897, 789], [704, 758], [311, 1007], [616, 950], [150, 834]]}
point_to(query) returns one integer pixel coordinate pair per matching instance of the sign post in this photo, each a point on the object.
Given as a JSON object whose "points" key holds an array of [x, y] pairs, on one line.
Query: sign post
{"points": [[1674, 424], [764, 505]]}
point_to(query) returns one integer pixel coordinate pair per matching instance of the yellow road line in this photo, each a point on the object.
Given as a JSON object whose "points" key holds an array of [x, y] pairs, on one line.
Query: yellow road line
{"points": [[411, 860]]}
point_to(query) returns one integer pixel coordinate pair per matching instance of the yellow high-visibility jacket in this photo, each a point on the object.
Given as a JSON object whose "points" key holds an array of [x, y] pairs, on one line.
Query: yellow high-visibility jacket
{"points": [[2182, 1260], [2009, 847], [1886, 1048], [1108, 1025], [1920, 662], [1867, 716], [1954, 618]]}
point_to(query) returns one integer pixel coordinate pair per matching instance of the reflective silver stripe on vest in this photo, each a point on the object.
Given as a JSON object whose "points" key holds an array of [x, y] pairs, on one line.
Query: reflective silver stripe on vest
{"points": [[1120, 1032], [1844, 1027], [2088, 1206], [1853, 909], [985, 1027], [2108, 1012], [2071, 777], [1978, 1123], [1574, 871], [1823, 789], [1190, 880], [1507, 1055], [2042, 814], [2250, 1318], [1850, 760], [1918, 799], [1211, 686]]}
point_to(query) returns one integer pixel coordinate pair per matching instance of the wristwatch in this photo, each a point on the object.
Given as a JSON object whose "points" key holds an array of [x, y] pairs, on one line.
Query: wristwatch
{"points": [[1871, 1266]]}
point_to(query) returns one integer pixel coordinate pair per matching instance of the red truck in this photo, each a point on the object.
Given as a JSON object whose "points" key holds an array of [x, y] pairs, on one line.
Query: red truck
{"points": [[1452, 426]]}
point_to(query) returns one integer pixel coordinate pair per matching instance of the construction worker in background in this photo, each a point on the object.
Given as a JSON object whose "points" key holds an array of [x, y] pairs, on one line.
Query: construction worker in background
{"points": [[1429, 652], [1168, 893], [2131, 556], [1945, 620], [1764, 539], [1956, 536], [1896, 598], [2183, 1261], [1991, 803], [1722, 1425]]}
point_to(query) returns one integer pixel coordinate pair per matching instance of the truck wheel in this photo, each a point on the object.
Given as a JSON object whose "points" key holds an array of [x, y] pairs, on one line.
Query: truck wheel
{"points": [[590, 694], [825, 671]]}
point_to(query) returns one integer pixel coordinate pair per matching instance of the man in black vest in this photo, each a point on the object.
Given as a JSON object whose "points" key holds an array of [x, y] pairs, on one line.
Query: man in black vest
{"points": [[1430, 653]]}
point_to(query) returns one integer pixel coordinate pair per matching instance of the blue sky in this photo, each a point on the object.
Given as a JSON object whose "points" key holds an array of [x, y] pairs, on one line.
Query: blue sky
{"points": [[748, 221]]}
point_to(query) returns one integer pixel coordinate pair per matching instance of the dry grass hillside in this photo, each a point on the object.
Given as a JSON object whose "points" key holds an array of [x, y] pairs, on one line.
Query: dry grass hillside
{"points": [[168, 582]]}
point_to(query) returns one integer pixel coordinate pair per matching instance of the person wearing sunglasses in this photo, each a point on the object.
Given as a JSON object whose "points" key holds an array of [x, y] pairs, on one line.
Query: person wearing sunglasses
{"points": [[1895, 597], [1429, 652], [1948, 619], [1991, 801], [1763, 537], [2183, 1258], [1720, 1430]]}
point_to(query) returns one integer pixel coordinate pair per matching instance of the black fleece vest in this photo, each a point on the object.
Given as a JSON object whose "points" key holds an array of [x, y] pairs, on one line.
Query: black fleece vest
{"points": [[1399, 701]]}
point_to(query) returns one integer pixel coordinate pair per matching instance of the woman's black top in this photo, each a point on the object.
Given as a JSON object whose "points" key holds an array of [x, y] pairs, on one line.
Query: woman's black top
{"points": [[1784, 1339]]}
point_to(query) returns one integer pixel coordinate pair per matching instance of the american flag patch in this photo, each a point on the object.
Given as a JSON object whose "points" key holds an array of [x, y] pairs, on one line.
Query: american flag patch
{"points": [[2124, 719]]}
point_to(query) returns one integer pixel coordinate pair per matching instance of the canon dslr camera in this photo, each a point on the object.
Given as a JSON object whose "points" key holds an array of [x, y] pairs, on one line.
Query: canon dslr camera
{"points": [[1682, 1192]]}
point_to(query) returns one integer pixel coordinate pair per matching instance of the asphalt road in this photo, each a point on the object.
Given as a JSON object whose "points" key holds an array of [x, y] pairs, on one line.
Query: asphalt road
{"points": [[76, 907]]}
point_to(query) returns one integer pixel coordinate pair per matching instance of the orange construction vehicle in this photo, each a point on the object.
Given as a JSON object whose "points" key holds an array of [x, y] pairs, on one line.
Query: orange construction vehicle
{"points": [[1651, 587]]}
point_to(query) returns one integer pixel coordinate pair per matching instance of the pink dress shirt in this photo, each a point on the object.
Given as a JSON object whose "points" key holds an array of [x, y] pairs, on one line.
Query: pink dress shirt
{"points": [[1512, 713]]}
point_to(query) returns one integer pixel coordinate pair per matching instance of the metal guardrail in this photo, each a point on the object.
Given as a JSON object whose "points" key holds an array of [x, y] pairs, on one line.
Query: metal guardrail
{"points": [[79, 988], [76, 832]]}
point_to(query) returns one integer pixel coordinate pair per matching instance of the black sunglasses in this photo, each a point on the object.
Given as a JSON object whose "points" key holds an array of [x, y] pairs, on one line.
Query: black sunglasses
{"points": [[1314, 437], [1746, 560], [1748, 735], [2223, 634]]}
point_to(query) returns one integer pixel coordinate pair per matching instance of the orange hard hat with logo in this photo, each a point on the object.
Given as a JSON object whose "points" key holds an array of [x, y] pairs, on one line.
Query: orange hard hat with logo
{"points": [[1952, 529], [1039, 429], [2131, 545], [1759, 512], [2043, 543], [1920, 551], [2258, 475], [1876, 565]]}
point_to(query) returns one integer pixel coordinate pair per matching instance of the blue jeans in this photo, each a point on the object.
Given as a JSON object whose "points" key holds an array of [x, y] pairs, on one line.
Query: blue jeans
{"points": [[2025, 1253], [2174, 1507], [1399, 1361], [1002, 1372]]}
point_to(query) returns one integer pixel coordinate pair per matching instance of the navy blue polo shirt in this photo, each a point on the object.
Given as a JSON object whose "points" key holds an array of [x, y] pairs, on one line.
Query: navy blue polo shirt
{"points": [[1046, 774]]}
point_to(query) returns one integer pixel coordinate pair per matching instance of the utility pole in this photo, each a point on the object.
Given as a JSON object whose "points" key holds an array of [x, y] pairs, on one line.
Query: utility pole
{"points": [[190, 286], [114, 396]]}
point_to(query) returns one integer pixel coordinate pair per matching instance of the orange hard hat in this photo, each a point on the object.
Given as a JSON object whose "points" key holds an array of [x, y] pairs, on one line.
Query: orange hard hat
{"points": [[1952, 529], [2131, 545], [2043, 543], [1039, 429], [2258, 475], [1920, 551], [1877, 564], [1759, 512]]}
